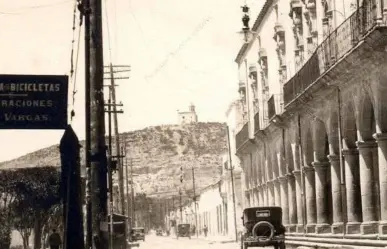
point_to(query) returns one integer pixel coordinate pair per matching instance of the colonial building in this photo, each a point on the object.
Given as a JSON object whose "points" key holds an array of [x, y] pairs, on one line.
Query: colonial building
{"points": [[188, 117], [313, 136]]}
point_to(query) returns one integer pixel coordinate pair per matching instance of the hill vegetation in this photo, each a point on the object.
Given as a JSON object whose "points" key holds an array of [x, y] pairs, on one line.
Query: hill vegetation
{"points": [[158, 153]]}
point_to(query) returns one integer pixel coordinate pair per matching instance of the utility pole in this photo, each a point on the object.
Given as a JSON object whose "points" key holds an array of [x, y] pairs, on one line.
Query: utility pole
{"points": [[133, 206], [232, 183], [180, 205], [86, 12], [194, 199], [128, 196], [98, 158], [112, 77], [110, 171]]}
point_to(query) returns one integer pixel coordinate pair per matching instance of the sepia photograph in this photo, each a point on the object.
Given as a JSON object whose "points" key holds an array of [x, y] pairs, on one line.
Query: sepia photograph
{"points": [[207, 124]]}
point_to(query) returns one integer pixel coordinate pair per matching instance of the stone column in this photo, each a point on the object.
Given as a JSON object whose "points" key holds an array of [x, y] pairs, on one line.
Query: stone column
{"points": [[310, 196], [260, 195], [265, 195], [257, 196], [367, 187], [277, 194], [352, 185], [300, 203], [284, 199], [271, 199], [292, 203], [253, 199], [322, 209], [381, 139], [337, 226]]}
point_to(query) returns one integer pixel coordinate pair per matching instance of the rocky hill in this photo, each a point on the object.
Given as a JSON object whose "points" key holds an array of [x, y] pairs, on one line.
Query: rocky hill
{"points": [[158, 153]]}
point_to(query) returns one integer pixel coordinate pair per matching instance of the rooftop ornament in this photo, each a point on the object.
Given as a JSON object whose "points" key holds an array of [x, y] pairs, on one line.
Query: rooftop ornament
{"points": [[247, 33]]}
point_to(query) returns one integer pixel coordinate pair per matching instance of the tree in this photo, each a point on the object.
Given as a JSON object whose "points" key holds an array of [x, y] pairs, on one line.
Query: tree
{"points": [[34, 188], [24, 219], [7, 197]]}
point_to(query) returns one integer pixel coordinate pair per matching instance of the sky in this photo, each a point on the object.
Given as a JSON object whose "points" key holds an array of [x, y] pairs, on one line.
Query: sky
{"points": [[180, 52]]}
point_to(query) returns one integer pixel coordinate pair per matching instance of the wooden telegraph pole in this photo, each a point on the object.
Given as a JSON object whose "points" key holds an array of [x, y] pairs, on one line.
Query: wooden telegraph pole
{"points": [[180, 206], [113, 70], [98, 160], [194, 199], [232, 183], [86, 14]]}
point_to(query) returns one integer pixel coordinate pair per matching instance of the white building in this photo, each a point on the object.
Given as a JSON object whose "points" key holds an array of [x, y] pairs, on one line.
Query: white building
{"points": [[188, 117]]}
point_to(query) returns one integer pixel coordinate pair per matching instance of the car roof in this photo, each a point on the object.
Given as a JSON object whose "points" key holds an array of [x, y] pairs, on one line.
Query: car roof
{"points": [[263, 208]]}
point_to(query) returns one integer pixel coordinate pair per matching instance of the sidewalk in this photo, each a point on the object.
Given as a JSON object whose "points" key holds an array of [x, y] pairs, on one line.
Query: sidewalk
{"points": [[216, 239]]}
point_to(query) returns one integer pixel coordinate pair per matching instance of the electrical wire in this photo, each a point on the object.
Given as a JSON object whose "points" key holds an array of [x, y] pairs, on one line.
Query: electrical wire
{"points": [[19, 11], [108, 31], [74, 69]]}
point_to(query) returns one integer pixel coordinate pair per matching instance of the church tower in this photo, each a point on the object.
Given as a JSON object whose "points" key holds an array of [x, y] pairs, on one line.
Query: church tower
{"points": [[189, 116]]}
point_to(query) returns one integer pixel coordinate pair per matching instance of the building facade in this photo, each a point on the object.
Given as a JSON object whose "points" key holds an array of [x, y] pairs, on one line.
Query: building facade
{"points": [[313, 136], [188, 117]]}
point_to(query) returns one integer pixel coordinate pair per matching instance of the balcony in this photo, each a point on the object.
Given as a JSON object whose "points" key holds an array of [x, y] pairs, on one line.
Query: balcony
{"points": [[242, 136], [339, 44], [274, 105]]}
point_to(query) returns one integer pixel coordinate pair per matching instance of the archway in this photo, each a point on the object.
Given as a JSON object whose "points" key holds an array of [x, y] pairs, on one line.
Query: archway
{"points": [[309, 188], [322, 176], [351, 166], [368, 163], [336, 171], [294, 204]]}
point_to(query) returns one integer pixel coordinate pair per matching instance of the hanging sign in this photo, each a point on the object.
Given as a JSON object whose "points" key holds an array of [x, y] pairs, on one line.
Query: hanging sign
{"points": [[33, 101]]}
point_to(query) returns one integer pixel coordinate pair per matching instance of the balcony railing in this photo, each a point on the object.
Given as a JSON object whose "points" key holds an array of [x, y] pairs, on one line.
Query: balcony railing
{"points": [[333, 48], [242, 136], [275, 105]]}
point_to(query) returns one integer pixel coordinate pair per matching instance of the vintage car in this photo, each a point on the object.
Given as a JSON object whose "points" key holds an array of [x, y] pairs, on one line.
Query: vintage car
{"points": [[119, 229], [263, 227], [137, 233], [159, 232], [183, 230]]}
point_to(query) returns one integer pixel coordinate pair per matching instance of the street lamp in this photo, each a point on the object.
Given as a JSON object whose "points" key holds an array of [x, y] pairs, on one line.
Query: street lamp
{"points": [[248, 35]]}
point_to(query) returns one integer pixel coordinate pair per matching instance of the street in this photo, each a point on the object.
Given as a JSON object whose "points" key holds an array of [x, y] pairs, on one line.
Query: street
{"points": [[161, 242]]}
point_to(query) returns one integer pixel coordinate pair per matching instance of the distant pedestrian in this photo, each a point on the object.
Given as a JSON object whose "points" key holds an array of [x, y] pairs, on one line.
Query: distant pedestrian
{"points": [[54, 240], [205, 230]]}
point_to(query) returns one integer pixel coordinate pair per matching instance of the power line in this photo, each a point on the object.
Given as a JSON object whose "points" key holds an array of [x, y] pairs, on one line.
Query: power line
{"points": [[108, 30], [74, 70], [19, 11], [180, 47]]}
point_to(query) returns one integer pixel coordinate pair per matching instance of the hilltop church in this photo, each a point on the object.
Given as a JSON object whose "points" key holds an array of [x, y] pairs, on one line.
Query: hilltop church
{"points": [[188, 117]]}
